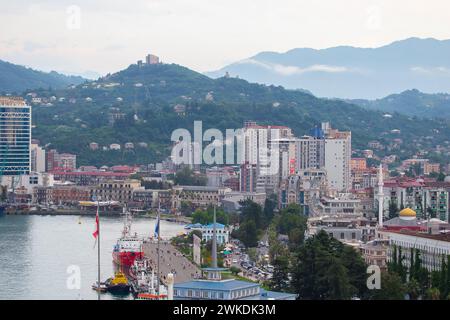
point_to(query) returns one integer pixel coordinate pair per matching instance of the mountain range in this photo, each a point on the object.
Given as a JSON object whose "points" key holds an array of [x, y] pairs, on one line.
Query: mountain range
{"points": [[16, 78], [351, 72]]}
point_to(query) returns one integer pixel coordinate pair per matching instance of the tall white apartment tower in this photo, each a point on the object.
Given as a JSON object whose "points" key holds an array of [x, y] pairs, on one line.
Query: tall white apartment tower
{"points": [[261, 147], [338, 153]]}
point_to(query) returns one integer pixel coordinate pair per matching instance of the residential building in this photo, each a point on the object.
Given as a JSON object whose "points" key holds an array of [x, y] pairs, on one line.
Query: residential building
{"points": [[89, 178], [198, 196], [37, 158], [343, 205], [338, 151], [310, 152], [67, 161], [116, 190]]}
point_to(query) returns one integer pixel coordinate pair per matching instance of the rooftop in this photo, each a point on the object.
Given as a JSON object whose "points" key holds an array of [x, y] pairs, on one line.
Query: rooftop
{"points": [[12, 101], [438, 237], [223, 285]]}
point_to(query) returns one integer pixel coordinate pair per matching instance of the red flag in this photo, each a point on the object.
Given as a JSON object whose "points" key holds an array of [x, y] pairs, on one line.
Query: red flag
{"points": [[95, 234]]}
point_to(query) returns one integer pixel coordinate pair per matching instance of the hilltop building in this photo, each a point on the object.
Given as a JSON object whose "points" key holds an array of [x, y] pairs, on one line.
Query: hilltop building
{"points": [[151, 59]]}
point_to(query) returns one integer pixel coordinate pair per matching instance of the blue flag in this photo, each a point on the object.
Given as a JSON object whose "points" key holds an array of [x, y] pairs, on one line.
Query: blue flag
{"points": [[157, 227]]}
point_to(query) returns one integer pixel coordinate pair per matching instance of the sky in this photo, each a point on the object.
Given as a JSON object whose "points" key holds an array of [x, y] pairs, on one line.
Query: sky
{"points": [[101, 36]]}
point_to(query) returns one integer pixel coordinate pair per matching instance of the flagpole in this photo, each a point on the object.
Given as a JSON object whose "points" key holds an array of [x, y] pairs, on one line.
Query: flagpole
{"points": [[98, 252], [159, 227]]}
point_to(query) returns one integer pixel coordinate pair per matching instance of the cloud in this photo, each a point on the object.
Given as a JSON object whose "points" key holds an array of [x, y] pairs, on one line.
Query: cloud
{"points": [[440, 70], [287, 70]]}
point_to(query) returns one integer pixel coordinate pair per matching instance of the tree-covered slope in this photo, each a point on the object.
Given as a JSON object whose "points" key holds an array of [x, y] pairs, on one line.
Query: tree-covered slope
{"points": [[412, 103], [15, 78], [150, 102]]}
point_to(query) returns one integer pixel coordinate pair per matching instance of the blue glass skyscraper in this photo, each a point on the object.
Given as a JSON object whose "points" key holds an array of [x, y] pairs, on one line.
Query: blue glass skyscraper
{"points": [[15, 136]]}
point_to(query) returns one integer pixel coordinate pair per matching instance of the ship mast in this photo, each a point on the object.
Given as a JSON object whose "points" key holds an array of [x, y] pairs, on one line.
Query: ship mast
{"points": [[159, 227], [98, 250]]}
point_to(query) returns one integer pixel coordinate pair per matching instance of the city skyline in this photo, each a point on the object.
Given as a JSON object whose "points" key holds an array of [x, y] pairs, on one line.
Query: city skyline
{"points": [[96, 38]]}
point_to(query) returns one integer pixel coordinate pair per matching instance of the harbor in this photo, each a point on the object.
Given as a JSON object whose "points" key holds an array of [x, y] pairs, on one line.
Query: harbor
{"points": [[53, 257]]}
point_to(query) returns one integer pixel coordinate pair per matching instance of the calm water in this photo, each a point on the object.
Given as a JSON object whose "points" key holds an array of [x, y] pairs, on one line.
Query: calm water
{"points": [[36, 252]]}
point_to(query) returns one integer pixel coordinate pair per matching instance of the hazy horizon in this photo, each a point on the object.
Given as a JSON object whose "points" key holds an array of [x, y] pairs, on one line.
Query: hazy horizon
{"points": [[105, 36]]}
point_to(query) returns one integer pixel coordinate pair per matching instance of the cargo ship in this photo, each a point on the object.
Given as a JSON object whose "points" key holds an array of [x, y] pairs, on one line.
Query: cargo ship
{"points": [[128, 247]]}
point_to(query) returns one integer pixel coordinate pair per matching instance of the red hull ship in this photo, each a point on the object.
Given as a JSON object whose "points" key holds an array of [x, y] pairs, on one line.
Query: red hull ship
{"points": [[128, 248]]}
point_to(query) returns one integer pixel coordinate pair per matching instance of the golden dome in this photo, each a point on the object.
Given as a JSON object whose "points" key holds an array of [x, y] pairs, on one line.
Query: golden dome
{"points": [[407, 212]]}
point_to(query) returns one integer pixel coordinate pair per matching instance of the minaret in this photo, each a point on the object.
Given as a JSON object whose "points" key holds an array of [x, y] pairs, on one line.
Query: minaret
{"points": [[170, 281], [380, 197], [214, 242]]}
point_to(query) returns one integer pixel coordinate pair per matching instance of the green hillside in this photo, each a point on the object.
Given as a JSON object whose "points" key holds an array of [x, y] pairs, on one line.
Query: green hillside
{"points": [[412, 103], [15, 78], [146, 97]]}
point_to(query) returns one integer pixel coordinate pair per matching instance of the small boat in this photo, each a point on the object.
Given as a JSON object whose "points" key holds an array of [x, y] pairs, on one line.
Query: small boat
{"points": [[118, 284], [102, 288]]}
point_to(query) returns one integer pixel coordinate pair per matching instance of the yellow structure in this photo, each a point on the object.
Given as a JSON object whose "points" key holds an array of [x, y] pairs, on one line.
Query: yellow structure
{"points": [[408, 212]]}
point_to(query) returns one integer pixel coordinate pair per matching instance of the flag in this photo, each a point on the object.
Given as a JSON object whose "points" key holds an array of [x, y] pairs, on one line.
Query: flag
{"points": [[96, 232], [157, 227]]}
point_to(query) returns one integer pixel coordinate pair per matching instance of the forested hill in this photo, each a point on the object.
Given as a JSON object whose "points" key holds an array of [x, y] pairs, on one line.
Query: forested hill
{"points": [[146, 103], [412, 103], [15, 78]]}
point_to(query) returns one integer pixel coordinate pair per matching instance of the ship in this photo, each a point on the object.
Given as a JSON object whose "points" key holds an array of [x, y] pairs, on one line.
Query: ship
{"points": [[118, 284], [128, 247], [144, 284]]}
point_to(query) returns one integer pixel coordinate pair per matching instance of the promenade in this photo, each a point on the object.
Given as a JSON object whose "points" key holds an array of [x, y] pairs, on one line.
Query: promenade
{"points": [[170, 260]]}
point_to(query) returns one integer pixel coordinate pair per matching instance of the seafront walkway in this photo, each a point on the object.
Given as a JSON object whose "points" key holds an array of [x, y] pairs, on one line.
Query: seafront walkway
{"points": [[170, 260]]}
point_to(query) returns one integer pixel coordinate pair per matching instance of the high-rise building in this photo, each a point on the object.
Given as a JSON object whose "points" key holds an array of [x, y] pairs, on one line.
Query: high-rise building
{"points": [[37, 158], [267, 147], [247, 177], [15, 136], [338, 152], [67, 161], [51, 160], [310, 153]]}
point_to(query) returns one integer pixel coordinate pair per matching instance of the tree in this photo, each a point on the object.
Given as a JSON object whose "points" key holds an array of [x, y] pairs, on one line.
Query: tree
{"points": [[325, 268], [393, 211], [433, 294], [3, 193], [235, 270], [187, 177], [248, 233], [392, 288], [186, 208], [207, 216], [269, 207], [280, 279]]}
